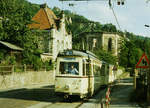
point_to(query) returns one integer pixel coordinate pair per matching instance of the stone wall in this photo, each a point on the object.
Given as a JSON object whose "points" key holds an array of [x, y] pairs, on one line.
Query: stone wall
{"points": [[114, 40], [110, 42], [20, 79]]}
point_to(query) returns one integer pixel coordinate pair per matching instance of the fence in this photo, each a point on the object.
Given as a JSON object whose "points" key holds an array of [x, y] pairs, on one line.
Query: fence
{"points": [[21, 68]]}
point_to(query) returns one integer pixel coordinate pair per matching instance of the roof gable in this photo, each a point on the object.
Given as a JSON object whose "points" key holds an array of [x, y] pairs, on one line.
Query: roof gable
{"points": [[44, 19]]}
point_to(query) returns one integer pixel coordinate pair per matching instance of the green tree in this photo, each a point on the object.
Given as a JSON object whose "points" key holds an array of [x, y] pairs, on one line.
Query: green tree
{"points": [[129, 54], [16, 16], [106, 56]]}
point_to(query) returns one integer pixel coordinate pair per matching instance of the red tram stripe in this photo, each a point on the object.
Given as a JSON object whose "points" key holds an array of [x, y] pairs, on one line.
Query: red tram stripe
{"points": [[76, 76]]}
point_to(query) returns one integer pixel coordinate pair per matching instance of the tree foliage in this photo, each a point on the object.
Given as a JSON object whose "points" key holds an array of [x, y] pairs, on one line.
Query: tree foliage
{"points": [[17, 15], [132, 49], [106, 56]]}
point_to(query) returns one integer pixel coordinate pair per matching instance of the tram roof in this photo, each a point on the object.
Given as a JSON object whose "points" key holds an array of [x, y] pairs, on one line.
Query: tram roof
{"points": [[83, 53]]}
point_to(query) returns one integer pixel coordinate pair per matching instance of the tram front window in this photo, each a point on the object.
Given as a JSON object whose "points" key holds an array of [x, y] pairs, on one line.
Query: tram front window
{"points": [[69, 68]]}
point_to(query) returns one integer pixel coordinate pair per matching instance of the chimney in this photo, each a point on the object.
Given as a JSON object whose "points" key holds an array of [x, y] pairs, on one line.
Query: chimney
{"points": [[43, 5]]}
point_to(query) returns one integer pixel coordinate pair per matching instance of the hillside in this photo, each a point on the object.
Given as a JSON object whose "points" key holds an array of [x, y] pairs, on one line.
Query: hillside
{"points": [[17, 14], [131, 51]]}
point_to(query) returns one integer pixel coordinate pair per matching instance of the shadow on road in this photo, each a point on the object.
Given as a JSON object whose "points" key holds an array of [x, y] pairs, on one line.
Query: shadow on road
{"points": [[45, 94], [121, 93]]}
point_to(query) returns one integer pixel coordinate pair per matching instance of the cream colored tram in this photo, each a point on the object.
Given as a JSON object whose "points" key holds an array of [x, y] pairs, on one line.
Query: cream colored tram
{"points": [[89, 78], [107, 74]]}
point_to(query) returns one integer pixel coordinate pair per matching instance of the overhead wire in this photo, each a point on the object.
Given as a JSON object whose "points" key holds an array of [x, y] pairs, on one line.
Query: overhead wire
{"points": [[115, 17], [111, 7], [62, 2]]}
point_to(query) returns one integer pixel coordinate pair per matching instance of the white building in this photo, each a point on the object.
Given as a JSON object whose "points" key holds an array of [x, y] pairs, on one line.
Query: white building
{"points": [[55, 37]]}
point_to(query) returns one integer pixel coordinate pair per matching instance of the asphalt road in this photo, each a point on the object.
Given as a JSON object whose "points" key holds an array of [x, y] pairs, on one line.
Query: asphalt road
{"points": [[24, 98], [44, 97], [121, 94]]}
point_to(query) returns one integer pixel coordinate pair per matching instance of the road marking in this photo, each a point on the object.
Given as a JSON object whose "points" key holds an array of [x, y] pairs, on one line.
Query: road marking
{"points": [[40, 105]]}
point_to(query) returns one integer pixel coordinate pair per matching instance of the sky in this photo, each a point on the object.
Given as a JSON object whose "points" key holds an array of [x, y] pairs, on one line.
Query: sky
{"points": [[132, 16]]}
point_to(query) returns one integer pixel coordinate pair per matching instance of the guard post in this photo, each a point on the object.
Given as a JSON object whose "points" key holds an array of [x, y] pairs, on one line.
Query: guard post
{"points": [[107, 102]]}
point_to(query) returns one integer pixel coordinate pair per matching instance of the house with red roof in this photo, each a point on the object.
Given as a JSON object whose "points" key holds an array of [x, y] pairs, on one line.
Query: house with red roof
{"points": [[55, 37]]}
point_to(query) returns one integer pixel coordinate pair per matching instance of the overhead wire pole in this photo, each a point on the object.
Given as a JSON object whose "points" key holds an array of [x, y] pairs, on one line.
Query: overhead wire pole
{"points": [[148, 75]]}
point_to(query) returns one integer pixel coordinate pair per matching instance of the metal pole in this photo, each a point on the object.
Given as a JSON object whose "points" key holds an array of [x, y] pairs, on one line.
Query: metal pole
{"points": [[148, 75], [135, 71], [148, 85]]}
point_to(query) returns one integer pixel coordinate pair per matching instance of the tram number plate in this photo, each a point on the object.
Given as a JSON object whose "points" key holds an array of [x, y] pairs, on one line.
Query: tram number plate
{"points": [[69, 58]]}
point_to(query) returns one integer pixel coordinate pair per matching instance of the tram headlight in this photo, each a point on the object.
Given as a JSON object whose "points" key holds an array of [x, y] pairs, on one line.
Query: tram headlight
{"points": [[67, 87]]}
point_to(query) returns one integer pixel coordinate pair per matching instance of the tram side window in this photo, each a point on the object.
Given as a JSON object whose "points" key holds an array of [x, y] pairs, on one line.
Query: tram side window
{"points": [[96, 70], [84, 69], [69, 68], [103, 70], [108, 70], [87, 69]]}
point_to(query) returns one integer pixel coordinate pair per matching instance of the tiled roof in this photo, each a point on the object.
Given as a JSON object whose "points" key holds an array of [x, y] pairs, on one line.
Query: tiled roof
{"points": [[44, 19]]}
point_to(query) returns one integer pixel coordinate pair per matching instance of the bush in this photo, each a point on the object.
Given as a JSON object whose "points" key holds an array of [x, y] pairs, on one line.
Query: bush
{"points": [[49, 65]]}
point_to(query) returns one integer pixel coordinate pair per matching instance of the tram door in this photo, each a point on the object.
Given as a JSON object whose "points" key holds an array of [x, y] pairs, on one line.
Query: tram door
{"points": [[90, 79], [103, 74]]}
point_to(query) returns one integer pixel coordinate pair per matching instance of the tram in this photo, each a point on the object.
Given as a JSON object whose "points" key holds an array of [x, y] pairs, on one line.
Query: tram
{"points": [[81, 73]]}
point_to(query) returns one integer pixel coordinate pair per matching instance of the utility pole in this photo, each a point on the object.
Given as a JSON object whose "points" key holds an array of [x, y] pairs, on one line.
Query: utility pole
{"points": [[135, 74], [148, 75], [148, 82]]}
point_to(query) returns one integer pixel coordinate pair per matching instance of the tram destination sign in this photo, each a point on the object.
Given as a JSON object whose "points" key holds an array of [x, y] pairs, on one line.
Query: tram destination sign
{"points": [[68, 58]]}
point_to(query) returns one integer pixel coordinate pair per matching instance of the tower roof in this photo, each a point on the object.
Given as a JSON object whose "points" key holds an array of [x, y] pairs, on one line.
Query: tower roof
{"points": [[44, 19]]}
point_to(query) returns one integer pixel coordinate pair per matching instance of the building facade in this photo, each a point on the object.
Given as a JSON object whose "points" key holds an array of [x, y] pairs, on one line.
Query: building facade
{"points": [[54, 37], [109, 42]]}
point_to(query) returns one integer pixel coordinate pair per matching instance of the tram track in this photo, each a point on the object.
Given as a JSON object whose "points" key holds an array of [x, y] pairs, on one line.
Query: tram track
{"points": [[44, 97], [76, 102]]}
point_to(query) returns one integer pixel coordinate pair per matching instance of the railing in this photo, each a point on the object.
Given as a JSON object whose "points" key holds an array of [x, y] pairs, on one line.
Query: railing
{"points": [[6, 69], [21, 68]]}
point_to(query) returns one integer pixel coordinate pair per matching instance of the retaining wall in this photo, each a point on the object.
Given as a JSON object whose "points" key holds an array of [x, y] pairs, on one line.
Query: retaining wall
{"points": [[20, 79]]}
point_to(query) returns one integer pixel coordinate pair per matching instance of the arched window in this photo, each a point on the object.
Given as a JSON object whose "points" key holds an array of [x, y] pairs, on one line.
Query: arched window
{"points": [[110, 44]]}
